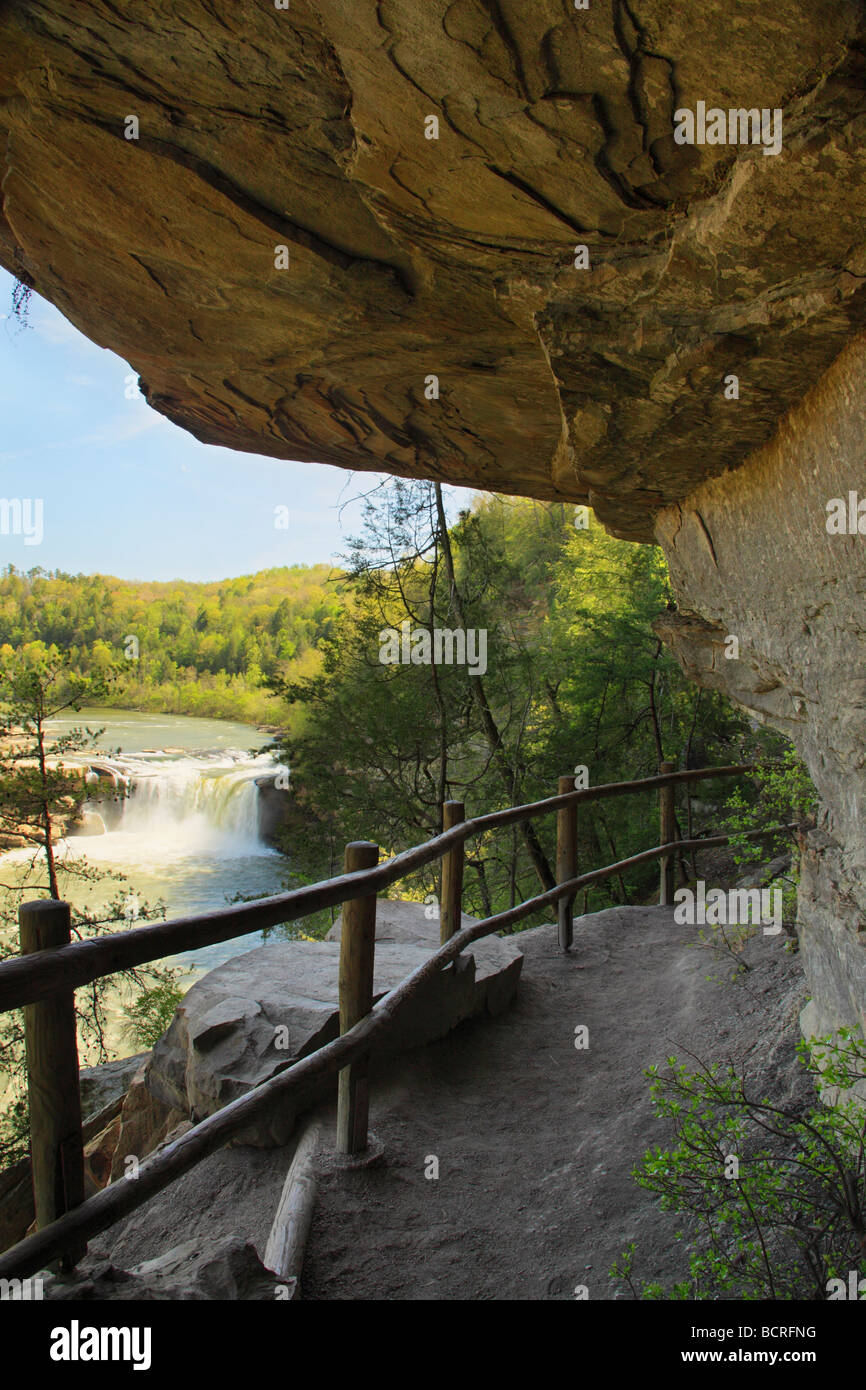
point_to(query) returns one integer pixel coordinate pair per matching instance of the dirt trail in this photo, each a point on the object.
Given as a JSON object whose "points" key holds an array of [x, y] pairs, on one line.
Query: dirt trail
{"points": [[535, 1139]]}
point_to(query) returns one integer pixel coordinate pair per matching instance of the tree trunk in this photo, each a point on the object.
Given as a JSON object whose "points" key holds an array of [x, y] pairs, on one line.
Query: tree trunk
{"points": [[488, 723]]}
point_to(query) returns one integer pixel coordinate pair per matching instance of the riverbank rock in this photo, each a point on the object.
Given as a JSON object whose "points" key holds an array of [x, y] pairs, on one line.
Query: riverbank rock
{"points": [[13, 841], [274, 806], [87, 823], [253, 1016]]}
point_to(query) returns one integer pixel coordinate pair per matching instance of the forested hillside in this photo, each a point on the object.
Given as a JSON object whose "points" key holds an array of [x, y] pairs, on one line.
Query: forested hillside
{"points": [[203, 649]]}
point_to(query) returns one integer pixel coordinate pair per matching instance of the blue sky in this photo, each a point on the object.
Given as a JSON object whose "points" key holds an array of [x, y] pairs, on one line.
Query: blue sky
{"points": [[127, 493]]}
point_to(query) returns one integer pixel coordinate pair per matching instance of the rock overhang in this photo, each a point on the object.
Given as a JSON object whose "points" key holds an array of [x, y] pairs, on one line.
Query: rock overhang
{"points": [[453, 257]]}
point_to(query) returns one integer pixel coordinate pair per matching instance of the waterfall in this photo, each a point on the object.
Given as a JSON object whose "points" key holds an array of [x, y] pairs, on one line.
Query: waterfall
{"points": [[173, 825], [189, 803]]}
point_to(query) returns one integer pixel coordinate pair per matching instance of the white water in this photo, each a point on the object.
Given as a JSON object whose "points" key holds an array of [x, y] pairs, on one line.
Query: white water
{"points": [[186, 831], [178, 805]]}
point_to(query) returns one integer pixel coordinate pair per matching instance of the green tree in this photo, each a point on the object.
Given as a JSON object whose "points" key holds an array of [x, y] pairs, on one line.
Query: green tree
{"points": [[575, 676], [188, 633], [40, 791]]}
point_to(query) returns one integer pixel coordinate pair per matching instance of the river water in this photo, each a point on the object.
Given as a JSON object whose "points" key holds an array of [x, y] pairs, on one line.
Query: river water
{"points": [[186, 831]]}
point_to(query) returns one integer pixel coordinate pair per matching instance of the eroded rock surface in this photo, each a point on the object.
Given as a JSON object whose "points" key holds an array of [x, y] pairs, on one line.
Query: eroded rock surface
{"points": [[751, 557], [254, 1015], [110, 1081], [305, 128]]}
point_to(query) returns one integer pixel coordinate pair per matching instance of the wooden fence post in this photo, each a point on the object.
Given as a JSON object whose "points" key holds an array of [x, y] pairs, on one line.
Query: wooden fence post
{"points": [[357, 954], [54, 1094], [667, 831], [451, 886], [566, 861]]}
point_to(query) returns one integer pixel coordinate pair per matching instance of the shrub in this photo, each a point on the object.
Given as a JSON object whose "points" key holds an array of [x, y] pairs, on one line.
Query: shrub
{"points": [[774, 1195]]}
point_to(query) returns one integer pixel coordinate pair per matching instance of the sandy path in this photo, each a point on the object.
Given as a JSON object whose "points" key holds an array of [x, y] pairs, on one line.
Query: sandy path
{"points": [[535, 1139]]}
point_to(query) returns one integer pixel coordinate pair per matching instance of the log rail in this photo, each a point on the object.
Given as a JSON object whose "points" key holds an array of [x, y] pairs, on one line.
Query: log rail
{"points": [[43, 979]]}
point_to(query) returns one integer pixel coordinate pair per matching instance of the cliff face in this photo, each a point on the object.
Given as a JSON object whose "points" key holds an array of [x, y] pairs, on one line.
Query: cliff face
{"points": [[751, 556], [306, 128], [325, 207]]}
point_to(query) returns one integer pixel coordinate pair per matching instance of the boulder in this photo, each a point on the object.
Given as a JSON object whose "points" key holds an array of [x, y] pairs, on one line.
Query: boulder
{"points": [[101, 1085], [228, 1271], [99, 1154], [102, 1098], [498, 960], [144, 1123], [13, 841], [16, 1203], [86, 823], [253, 1016], [274, 805]]}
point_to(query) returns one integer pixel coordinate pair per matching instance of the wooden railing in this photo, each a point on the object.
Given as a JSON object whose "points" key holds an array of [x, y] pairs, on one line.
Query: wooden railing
{"points": [[51, 967]]}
